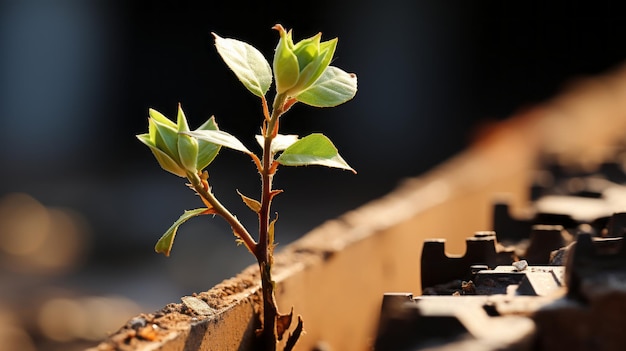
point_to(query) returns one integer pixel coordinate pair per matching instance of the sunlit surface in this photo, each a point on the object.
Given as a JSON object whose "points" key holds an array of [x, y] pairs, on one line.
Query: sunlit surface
{"points": [[82, 202]]}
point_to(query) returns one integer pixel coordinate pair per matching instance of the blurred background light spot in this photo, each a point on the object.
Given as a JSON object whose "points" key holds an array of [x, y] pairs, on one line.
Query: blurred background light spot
{"points": [[13, 338], [41, 240], [12, 334], [24, 224], [61, 319], [112, 312], [65, 319]]}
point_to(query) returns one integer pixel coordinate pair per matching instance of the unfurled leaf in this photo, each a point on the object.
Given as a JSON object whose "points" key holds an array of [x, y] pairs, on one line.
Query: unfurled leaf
{"points": [[164, 245], [248, 64], [219, 137], [253, 204], [207, 150], [314, 149], [280, 142], [334, 87], [210, 124]]}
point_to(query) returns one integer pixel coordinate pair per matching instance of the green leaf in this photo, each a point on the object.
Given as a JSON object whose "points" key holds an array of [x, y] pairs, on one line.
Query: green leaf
{"points": [[248, 64], [159, 117], [181, 120], [207, 151], [308, 75], [166, 138], [219, 137], [314, 70], [285, 63], [307, 50], [164, 245], [280, 142], [164, 160], [188, 150], [314, 149], [334, 87]]}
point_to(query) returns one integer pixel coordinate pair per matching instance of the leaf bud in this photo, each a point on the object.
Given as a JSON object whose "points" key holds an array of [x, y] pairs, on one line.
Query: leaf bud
{"points": [[298, 66], [188, 152]]}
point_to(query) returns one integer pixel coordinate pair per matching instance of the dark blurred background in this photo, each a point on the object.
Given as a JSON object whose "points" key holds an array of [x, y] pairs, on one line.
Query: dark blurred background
{"points": [[82, 202]]}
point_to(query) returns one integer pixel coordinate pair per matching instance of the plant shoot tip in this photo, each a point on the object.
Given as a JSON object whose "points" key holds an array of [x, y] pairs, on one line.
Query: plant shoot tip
{"points": [[301, 73]]}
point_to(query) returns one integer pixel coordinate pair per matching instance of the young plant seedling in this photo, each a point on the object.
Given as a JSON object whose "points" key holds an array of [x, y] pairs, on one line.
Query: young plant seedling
{"points": [[301, 73]]}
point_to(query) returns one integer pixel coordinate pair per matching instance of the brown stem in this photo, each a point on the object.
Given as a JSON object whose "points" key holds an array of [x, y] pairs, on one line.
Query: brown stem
{"points": [[262, 250], [266, 112], [268, 337], [237, 227]]}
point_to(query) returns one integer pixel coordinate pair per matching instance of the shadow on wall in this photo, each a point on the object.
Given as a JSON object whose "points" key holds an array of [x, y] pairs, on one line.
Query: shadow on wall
{"points": [[82, 202]]}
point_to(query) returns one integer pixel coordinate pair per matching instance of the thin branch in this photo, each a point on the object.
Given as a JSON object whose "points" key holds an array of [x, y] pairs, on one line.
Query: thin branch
{"points": [[237, 227], [266, 112]]}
